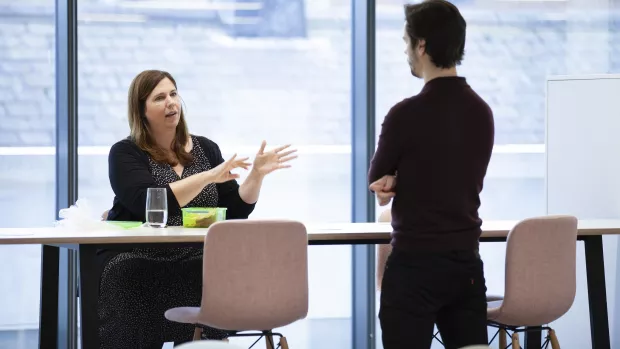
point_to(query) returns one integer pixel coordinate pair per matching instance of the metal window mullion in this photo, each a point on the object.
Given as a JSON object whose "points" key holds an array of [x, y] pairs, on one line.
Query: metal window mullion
{"points": [[363, 141], [66, 162]]}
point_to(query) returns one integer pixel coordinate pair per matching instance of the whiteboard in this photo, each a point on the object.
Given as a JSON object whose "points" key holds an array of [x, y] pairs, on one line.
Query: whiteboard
{"points": [[583, 179]]}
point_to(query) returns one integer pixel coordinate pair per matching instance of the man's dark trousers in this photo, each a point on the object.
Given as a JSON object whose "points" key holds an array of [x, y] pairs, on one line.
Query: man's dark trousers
{"points": [[421, 289]]}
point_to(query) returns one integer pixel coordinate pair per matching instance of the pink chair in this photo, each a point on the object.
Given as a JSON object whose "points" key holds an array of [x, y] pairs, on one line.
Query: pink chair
{"points": [[540, 278], [210, 345], [255, 278]]}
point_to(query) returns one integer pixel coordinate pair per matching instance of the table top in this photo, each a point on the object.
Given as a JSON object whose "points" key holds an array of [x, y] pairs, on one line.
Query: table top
{"points": [[316, 233]]}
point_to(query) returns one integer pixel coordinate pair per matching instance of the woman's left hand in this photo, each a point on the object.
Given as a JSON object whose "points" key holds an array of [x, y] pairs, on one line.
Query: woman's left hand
{"points": [[269, 161]]}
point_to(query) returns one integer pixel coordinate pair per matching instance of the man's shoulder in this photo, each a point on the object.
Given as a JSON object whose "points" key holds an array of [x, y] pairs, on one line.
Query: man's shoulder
{"points": [[409, 102], [477, 105], [405, 107]]}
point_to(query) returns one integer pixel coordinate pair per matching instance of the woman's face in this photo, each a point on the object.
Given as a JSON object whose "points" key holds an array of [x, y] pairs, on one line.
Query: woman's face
{"points": [[162, 107]]}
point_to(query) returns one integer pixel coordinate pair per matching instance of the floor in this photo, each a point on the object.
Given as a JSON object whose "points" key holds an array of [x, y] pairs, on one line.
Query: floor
{"points": [[19, 339]]}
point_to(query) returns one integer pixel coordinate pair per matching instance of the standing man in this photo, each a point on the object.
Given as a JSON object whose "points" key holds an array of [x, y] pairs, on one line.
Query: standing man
{"points": [[432, 158]]}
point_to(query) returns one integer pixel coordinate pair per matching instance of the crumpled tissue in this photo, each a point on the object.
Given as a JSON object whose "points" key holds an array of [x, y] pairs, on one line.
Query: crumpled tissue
{"points": [[81, 216]]}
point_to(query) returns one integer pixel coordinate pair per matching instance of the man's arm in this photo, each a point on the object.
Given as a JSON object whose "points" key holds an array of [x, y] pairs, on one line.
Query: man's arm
{"points": [[386, 157], [385, 189]]}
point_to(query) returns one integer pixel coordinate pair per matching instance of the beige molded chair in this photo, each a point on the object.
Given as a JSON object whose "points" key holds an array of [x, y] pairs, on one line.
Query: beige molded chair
{"points": [[540, 278], [255, 278]]}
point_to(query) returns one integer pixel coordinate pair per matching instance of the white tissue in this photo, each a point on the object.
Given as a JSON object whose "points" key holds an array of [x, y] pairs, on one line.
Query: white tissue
{"points": [[80, 216]]}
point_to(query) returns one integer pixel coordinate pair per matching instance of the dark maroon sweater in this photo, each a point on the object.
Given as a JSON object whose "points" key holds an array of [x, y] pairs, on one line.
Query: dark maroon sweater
{"points": [[439, 144]]}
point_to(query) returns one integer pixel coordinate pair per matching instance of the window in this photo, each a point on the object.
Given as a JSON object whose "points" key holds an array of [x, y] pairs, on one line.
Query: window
{"points": [[27, 164], [280, 73], [511, 48]]}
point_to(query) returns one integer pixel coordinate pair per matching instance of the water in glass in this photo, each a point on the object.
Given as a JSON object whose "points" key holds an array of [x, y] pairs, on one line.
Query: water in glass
{"points": [[156, 207]]}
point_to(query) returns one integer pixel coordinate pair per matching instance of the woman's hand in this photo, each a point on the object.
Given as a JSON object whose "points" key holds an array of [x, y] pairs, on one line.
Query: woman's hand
{"points": [[264, 164], [278, 158], [222, 172]]}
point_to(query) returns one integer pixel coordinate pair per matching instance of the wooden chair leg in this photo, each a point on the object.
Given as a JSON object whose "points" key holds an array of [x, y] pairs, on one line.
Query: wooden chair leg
{"points": [[554, 340], [515, 341], [283, 343], [503, 343]]}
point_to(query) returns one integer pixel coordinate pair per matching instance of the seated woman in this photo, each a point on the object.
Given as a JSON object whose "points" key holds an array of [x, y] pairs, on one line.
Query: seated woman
{"points": [[138, 286]]}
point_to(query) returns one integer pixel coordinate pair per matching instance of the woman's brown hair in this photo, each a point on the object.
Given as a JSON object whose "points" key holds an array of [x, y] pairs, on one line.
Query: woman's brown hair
{"points": [[139, 90]]}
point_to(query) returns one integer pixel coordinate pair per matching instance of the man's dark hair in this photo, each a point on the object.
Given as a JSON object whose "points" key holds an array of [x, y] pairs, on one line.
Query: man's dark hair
{"points": [[440, 24]]}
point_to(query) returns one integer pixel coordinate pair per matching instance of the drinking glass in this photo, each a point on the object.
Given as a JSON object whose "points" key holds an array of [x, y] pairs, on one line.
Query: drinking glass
{"points": [[156, 207]]}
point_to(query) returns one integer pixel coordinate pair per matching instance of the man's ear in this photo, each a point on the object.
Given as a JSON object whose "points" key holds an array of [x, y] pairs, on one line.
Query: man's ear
{"points": [[421, 47]]}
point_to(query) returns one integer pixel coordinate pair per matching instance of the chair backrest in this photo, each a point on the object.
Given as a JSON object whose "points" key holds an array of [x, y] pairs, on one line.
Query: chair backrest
{"points": [[255, 274], [383, 250], [540, 270]]}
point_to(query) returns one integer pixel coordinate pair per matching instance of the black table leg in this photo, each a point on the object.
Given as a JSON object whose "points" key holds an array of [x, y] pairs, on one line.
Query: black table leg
{"points": [[597, 294], [67, 299], [48, 313], [533, 339], [57, 319], [89, 294]]}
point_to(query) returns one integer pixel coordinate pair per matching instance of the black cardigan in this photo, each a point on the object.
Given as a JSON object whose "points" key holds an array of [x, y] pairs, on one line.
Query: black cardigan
{"points": [[130, 177]]}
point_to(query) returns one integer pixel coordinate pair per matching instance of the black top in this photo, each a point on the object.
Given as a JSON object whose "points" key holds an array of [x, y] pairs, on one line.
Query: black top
{"points": [[130, 177], [439, 144]]}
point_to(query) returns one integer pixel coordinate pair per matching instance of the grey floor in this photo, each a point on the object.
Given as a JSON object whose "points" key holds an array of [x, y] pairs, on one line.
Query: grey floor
{"points": [[28, 339]]}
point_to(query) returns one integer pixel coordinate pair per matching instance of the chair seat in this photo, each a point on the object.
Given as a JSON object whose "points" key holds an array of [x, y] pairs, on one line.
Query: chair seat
{"points": [[499, 315], [207, 345], [493, 309], [494, 297], [185, 315], [494, 302]]}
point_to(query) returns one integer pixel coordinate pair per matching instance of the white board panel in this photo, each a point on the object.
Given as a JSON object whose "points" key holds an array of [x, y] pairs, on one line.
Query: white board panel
{"points": [[583, 179]]}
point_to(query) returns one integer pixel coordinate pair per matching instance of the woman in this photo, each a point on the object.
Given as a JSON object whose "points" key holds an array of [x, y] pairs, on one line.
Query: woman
{"points": [[138, 286]]}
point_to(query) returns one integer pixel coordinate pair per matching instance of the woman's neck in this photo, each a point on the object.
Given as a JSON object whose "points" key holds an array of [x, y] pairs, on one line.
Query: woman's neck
{"points": [[164, 140]]}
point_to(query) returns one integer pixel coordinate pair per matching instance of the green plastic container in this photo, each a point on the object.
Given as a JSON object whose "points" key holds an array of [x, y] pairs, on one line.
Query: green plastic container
{"points": [[202, 217], [125, 224]]}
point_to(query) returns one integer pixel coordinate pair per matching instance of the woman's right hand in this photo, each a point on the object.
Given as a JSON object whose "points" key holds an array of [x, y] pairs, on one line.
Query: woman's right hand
{"points": [[222, 172]]}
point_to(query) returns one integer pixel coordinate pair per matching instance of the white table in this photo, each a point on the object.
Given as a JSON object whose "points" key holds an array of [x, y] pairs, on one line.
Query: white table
{"points": [[87, 243], [318, 234]]}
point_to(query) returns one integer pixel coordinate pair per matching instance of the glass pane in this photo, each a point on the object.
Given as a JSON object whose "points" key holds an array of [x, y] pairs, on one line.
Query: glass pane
{"points": [[511, 48], [246, 71], [27, 164]]}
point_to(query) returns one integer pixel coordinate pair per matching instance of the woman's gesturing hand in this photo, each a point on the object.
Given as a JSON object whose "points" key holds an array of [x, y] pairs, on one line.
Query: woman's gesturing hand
{"points": [[222, 172], [269, 161]]}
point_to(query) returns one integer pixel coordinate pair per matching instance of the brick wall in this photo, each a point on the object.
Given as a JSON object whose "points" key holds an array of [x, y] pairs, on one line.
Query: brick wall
{"points": [[245, 89]]}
